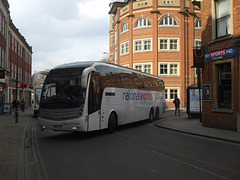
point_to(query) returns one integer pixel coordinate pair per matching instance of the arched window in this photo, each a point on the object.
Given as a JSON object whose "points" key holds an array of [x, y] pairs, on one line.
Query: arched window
{"points": [[142, 23], [124, 27], [199, 24], [168, 21]]}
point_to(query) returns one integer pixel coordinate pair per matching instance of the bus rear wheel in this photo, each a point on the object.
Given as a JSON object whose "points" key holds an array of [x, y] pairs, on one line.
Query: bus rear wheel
{"points": [[112, 123], [157, 114], [151, 115]]}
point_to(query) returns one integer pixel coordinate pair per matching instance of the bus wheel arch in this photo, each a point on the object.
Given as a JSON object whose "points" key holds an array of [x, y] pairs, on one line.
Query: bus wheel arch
{"points": [[157, 113], [112, 122], [151, 115]]}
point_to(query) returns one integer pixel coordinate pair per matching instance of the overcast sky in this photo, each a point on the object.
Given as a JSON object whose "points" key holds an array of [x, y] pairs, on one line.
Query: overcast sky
{"points": [[62, 31]]}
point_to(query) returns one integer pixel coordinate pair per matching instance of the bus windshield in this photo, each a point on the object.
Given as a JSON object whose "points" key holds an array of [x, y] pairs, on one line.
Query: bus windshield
{"points": [[62, 89]]}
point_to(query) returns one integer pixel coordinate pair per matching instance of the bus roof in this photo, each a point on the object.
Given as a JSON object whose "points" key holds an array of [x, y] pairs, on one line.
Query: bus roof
{"points": [[98, 63]]}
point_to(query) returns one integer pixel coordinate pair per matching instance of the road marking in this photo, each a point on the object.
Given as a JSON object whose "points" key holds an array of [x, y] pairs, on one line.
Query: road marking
{"points": [[191, 165], [37, 155]]}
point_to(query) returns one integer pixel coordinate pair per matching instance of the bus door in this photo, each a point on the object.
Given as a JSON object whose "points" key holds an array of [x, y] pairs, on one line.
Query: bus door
{"points": [[94, 102]]}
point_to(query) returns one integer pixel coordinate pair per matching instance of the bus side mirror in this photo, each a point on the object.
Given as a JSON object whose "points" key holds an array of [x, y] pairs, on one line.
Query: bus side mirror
{"points": [[85, 74]]}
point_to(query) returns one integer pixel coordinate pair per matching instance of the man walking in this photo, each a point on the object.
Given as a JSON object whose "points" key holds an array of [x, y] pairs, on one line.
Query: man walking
{"points": [[177, 105]]}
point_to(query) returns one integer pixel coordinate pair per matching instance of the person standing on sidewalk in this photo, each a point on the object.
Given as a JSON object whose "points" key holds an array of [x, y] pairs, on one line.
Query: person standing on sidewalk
{"points": [[23, 104], [15, 105], [176, 101]]}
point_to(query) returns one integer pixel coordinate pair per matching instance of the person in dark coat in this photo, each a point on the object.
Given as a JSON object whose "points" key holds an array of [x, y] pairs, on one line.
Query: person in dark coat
{"points": [[177, 105], [15, 105]]}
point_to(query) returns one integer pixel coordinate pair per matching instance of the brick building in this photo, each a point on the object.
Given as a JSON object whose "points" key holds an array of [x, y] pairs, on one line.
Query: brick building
{"points": [[221, 72], [157, 37], [15, 59]]}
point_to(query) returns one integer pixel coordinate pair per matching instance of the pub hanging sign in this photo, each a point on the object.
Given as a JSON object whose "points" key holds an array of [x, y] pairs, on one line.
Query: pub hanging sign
{"points": [[2, 74], [221, 54]]}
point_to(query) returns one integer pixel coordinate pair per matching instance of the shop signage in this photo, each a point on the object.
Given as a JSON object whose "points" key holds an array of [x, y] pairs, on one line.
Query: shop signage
{"points": [[2, 74], [221, 54], [24, 86]]}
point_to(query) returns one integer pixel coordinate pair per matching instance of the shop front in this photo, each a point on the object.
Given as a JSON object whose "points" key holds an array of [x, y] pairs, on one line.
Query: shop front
{"points": [[221, 89]]}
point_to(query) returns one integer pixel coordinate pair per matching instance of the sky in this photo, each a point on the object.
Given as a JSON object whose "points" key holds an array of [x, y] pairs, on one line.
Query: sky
{"points": [[62, 31]]}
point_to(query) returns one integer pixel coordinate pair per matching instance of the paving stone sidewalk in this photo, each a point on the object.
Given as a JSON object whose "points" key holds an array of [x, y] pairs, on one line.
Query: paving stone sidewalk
{"points": [[193, 126], [11, 134]]}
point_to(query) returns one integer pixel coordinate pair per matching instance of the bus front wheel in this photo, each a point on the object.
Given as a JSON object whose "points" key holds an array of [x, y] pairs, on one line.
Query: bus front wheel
{"points": [[112, 123]]}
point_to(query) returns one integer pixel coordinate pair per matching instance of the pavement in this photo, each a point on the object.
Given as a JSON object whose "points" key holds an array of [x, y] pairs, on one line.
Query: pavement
{"points": [[193, 126], [12, 137]]}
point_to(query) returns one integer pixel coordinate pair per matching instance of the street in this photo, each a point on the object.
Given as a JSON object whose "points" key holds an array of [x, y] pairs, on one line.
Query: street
{"points": [[136, 151]]}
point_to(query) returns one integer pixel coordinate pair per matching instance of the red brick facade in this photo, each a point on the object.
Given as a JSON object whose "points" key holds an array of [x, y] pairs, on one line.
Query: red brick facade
{"points": [[172, 63], [222, 109]]}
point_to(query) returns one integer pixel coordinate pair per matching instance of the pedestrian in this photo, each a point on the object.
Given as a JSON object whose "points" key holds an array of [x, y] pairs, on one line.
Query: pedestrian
{"points": [[23, 104], [176, 101], [15, 105]]}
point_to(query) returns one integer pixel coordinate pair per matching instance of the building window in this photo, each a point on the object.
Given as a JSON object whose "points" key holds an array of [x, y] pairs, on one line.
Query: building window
{"points": [[173, 69], [147, 68], [125, 27], [198, 24], [138, 46], [223, 18], [166, 93], [224, 86], [173, 44], [116, 56], [163, 69], [168, 21], [122, 49], [197, 43], [169, 69], [173, 93], [163, 44], [168, 45], [138, 67], [142, 23], [125, 48], [116, 32], [143, 45], [112, 22]]}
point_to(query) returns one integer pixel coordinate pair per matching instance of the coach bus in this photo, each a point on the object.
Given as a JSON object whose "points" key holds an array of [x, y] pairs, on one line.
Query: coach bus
{"points": [[37, 89], [89, 96]]}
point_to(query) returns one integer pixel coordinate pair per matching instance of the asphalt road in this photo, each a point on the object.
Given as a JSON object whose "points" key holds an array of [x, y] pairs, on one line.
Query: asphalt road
{"points": [[138, 151]]}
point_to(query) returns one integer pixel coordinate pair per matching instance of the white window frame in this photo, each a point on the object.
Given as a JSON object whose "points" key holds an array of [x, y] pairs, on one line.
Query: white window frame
{"points": [[169, 64], [139, 45], [166, 21], [224, 16], [116, 56], [198, 24], [168, 95], [143, 22], [165, 68], [111, 40], [125, 27], [197, 43], [116, 32], [142, 67], [168, 49], [124, 48]]}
